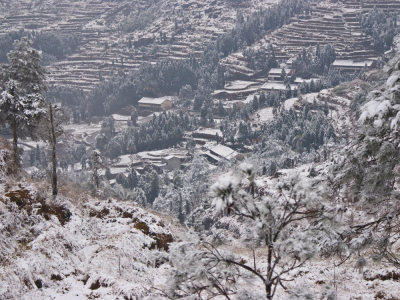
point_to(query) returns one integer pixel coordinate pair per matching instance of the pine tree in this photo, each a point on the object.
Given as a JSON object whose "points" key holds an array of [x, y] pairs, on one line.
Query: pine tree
{"points": [[134, 116], [370, 171], [21, 113], [96, 163], [289, 225], [22, 101], [24, 68]]}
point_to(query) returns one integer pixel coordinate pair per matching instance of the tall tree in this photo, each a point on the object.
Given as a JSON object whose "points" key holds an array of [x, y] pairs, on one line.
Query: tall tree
{"points": [[50, 129], [369, 174], [22, 101], [96, 163], [53, 153], [21, 113]]}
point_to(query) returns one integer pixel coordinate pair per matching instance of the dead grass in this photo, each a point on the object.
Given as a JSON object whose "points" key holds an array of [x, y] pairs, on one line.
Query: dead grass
{"points": [[37, 204]]}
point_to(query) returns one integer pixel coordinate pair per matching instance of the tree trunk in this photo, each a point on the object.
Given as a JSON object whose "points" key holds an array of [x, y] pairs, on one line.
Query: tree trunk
{"points": [[53, 154], [268, 287], [15, 147]]}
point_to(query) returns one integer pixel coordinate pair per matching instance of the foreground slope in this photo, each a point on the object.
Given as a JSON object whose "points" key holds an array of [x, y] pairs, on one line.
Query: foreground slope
{"points": [[75, 247]]}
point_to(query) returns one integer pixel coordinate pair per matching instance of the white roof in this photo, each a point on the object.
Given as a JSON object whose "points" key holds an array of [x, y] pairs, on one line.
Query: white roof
{"points": [[290, 60], [275, 71], [223, 151], [209, 131], [278, 71], [122, 118], [157, 101], [351, 63], [301, 80]]}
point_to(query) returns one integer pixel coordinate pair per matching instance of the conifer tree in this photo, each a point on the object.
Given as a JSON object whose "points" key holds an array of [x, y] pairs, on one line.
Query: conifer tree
{"points": [[96, 163], [21, 113], [22, 101], [288, 225], [369, 174]]}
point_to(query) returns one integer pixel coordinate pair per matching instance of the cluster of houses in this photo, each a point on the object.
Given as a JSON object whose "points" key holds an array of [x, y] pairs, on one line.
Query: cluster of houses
{"points": [[336, 23], [275, 79], [167, 160]]}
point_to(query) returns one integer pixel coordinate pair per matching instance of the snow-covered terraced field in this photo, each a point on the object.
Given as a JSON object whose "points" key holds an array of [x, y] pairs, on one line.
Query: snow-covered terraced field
{"points": [[106, 49]]}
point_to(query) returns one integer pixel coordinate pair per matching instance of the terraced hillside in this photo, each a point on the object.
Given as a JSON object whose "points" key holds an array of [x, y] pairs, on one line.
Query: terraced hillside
{"points": [[329, 22], [113, 40]]}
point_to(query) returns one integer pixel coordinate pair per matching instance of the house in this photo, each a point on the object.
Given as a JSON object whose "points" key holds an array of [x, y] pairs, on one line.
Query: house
{"points": [[300, 80], [275, 74], [218, 152], [161, 159], [207, 134], [349, 65], [155, 104], [223, 151]]}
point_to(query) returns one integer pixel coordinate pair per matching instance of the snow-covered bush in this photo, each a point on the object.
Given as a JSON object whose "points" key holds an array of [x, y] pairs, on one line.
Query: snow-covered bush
{"points": [[284, 227], [370, 171]]}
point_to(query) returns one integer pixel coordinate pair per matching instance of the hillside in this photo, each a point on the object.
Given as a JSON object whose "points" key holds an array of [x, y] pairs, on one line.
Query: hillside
{"points": [[199, 150], [77, 245], [118, 36]]}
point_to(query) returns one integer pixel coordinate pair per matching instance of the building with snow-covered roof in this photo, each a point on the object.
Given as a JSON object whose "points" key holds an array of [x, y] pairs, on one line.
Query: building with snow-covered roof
{"points": [[218, 152], [300, 80], [156, 104], [213, 134], [290, 61], [223, 151], [349, 65], [275, 74]]}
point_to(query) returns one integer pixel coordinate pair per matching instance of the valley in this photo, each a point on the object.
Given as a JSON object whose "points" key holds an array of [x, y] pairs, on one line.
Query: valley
{"points": [[215, 149]]}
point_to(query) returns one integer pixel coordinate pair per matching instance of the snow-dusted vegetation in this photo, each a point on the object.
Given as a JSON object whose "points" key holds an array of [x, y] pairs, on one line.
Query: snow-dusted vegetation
{"points": [[218, 149], [76, 246]]}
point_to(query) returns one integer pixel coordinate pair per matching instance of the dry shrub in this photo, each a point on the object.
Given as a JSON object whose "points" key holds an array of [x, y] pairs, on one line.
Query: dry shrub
{"points": [[28, 202]]}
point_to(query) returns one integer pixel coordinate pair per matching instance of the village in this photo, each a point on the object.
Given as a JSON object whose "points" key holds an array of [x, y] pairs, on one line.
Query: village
{"points": [[104, 53], [186, 149]]}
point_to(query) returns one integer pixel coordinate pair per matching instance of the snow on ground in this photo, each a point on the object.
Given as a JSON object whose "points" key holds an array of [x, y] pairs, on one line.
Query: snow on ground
{"points": [[339, 107], [83, 132], [77, 248], [265, 115], [377, 280], [82, 129], [288, 104], [310, 98], [124, 160], [121, 118]]}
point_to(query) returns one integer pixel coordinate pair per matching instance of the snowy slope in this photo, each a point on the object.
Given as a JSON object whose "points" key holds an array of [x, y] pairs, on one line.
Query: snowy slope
{"points": [[76, 248]]}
